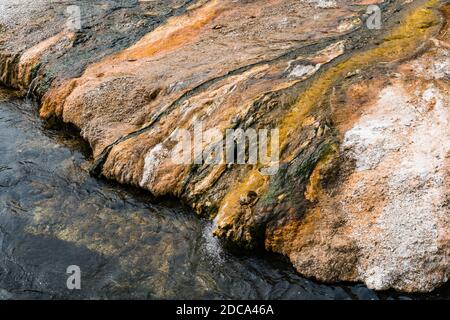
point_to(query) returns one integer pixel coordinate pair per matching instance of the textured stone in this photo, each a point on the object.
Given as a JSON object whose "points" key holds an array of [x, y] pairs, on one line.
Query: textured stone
{"points": [[361, 193]]}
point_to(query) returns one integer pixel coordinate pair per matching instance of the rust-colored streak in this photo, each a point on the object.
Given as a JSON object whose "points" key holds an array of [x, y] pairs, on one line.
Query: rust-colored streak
{"points": [[174, 34]]}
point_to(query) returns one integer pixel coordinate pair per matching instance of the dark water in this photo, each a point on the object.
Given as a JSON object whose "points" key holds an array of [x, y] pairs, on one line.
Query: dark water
{"points": [[53, 214]]}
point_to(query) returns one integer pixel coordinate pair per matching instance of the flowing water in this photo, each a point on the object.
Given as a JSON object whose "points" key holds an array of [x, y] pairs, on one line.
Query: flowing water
{"points": [[53, 215]]}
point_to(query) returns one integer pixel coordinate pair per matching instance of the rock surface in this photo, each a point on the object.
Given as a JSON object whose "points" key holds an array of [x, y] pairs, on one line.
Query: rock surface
{"points": [[362, 190]]}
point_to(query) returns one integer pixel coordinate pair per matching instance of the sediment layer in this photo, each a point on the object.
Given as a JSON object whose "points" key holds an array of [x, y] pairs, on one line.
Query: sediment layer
{"points": [[361, 192]]}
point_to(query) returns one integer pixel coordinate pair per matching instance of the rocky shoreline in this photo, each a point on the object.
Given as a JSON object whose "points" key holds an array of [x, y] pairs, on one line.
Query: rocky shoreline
{"points": [[362, 190]]}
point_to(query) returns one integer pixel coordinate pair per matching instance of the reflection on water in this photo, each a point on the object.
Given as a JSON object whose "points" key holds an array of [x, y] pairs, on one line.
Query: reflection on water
{"points": [[53, 214]]}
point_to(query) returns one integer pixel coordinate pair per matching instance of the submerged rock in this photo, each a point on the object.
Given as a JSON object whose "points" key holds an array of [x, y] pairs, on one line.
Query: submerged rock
{"points": [[360, 189]]}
